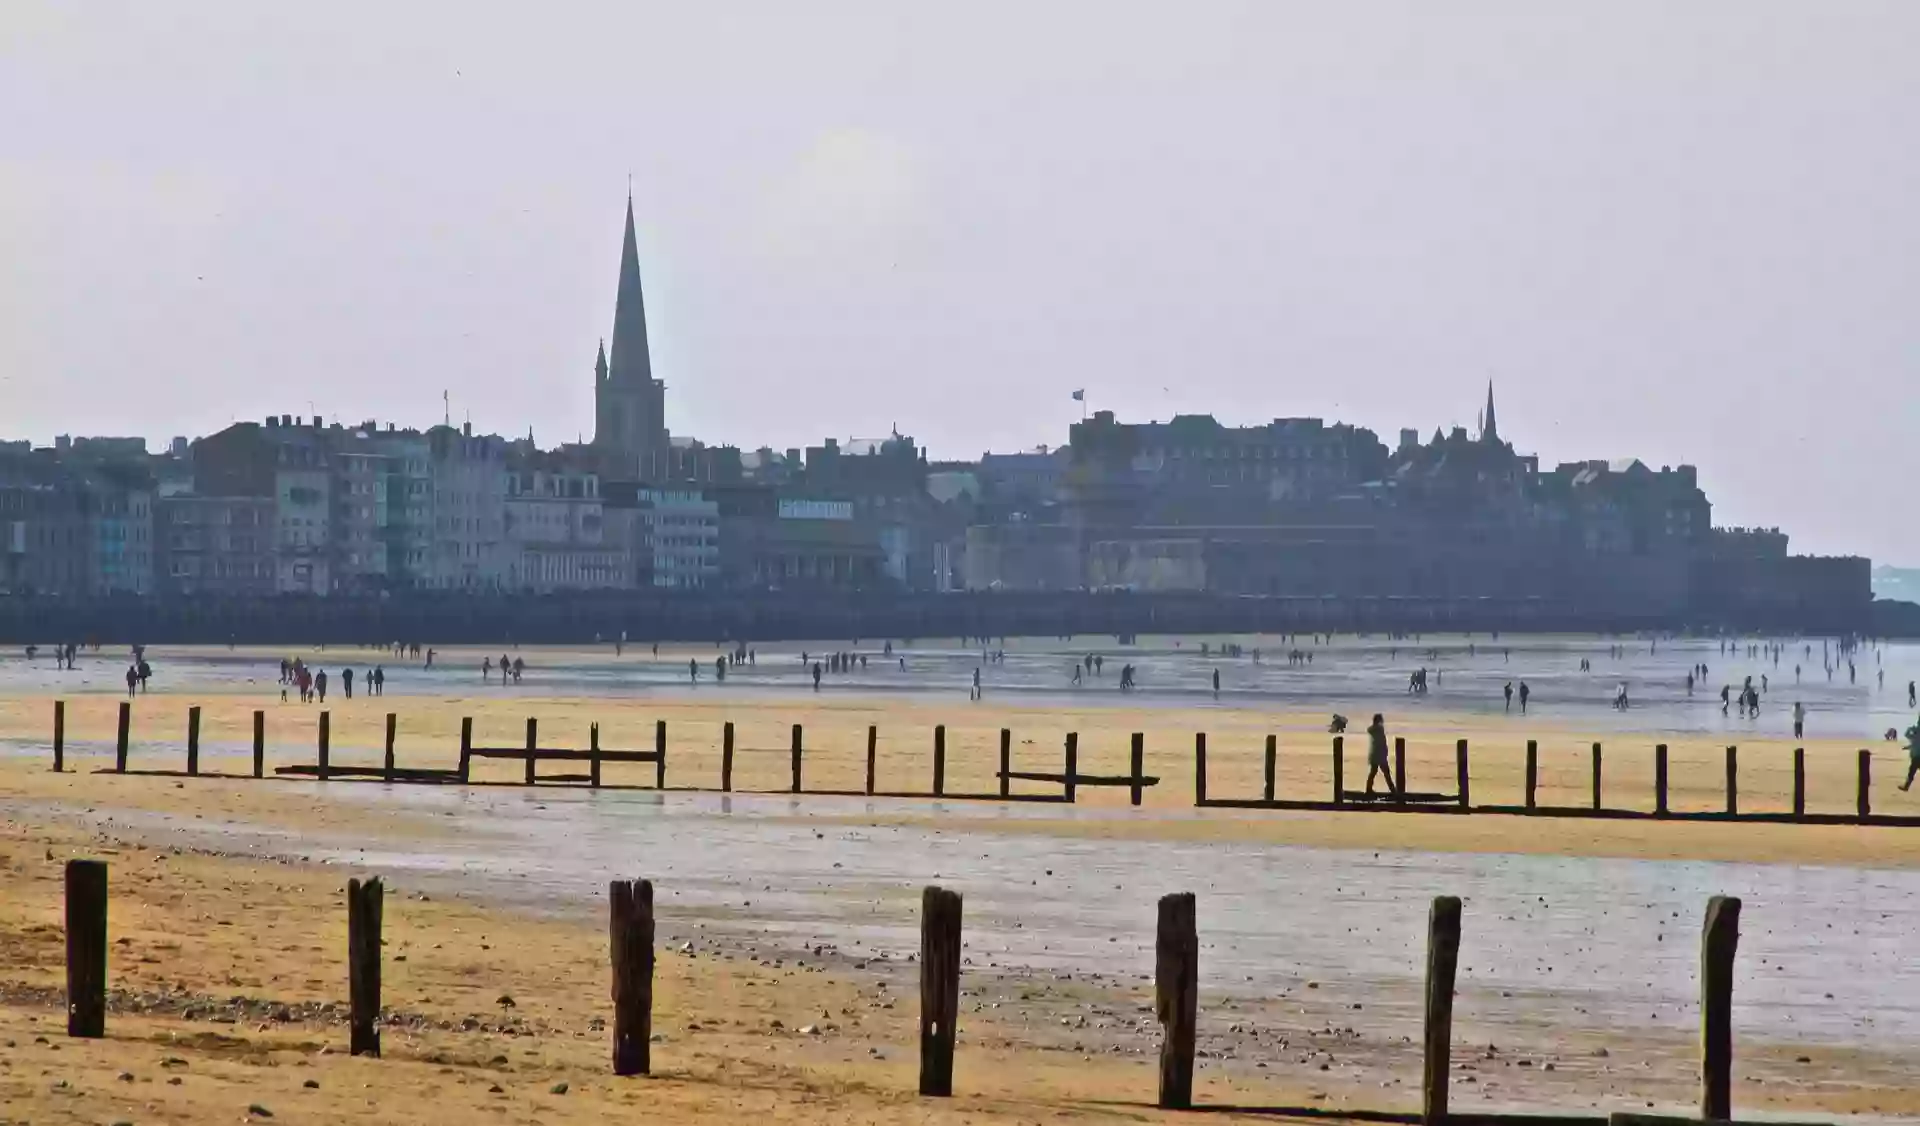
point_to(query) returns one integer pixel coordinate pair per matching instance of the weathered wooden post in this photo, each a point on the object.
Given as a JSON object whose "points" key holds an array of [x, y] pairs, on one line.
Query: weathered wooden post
{"points": [[1006, 761], [1138, 759], [59, 736], [120, 738], [1596, 776], [1272, 766], [1717, 944], [1176, 987], [1460, 768], [363, 965], [873, 751], [659, 754], [1660, 780], [1339, 769], [1399, 779], [466, 749], [193, 740], [631, 931], [1072, 769], [533, 747], [939, 988], [1443, 959], [1863, 797], [326, 746], [593, 755], [1199, 768], [87, 948], [1733, 781], [386, 762], [726, 757], [797, 741], [1533, 772], [259, 743], [1799, 782], [939, 760]]}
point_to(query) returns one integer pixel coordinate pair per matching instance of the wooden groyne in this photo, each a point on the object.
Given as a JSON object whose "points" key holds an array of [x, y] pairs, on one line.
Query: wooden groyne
{"points": [[536, 756], [1176, 976]]}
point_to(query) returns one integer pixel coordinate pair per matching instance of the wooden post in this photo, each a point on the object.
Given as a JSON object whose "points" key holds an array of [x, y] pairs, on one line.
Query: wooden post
{"points": [[797, 737], [59, 736], [326, 744], [939, 760], [1272, 766], [1863, 798], [1733, 781], [593, 755], [386, 763], [1717, 944], [873, 750], [1533, 772], [259, 743], [120, 738], [193, 740], [1443, 958], [1799, 782], [1176, 987], [659, 754], [1072, 769], [631, 930], [1596, 776], [939, 988], [363, 965], [1399, 778], [1460, 768], [726, 757], [1199, 768], [87, 948], [533, 745], [466, 749], [1660, 780], [1006, 761], [1339, 769], [1138, 759]]}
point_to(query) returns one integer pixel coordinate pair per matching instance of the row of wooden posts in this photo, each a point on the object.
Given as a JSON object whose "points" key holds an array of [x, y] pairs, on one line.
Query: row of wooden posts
{"points": [[1176, 985], [1461, 800], [531, 753], [1069, 779]]}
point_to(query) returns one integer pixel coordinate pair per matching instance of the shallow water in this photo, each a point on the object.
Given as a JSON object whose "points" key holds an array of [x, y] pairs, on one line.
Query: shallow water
{"points": [[1600, 945], [1346, 674]]}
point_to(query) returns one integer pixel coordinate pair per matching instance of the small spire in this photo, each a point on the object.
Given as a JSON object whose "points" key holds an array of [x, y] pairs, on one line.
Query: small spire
{"points": [[600, 363], [1489, 429]]}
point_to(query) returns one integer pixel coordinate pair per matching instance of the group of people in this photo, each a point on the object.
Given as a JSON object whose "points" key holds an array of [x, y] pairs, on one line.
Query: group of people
{"points": [[312, 683], [509, 667]]}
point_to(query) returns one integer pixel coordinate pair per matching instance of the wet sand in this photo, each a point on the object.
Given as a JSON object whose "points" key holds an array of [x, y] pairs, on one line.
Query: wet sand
{"points": [[1577, 969]]}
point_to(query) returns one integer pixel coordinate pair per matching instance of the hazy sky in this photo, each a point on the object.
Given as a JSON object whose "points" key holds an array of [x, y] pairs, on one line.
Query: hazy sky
{"points": [[1679, 231]]}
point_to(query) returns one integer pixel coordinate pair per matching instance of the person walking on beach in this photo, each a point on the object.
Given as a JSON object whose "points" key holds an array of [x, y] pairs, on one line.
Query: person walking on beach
{"points": [[486, 670], [346, 682], [1524, 693], [1910, 702], [816, 674], [1913, 754], [1726, 698], [1799, 719], [320, 685], [133, 680], [1377, 754], [379, 680], [1508, 690], [975, 693], [1216, 683]]}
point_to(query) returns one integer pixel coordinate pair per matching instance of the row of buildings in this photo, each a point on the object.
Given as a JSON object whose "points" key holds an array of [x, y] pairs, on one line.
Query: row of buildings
{"points": [[1295, 508]]}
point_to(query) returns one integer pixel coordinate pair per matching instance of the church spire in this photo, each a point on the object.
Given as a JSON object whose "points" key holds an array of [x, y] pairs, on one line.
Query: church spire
{"points": [[600, 363], [630, 363], [1489, 430]]}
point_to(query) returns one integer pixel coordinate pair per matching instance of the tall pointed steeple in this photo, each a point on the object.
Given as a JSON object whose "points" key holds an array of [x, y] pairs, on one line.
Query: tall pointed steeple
{"points": [[1489, 429], [630, 362], [600, 365]]}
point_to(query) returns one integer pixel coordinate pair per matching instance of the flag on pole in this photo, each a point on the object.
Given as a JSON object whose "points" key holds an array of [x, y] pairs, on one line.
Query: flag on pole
{"points": [[1080, 396]]}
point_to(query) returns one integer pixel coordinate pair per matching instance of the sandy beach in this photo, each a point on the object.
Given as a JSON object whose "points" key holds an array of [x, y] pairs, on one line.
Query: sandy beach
{"points": [[229, 922]]}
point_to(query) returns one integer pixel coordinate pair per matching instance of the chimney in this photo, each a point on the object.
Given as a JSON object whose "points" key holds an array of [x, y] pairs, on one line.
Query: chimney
{"points": [[286, 420], [319, 423], [466, 430], [272, 422]]}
